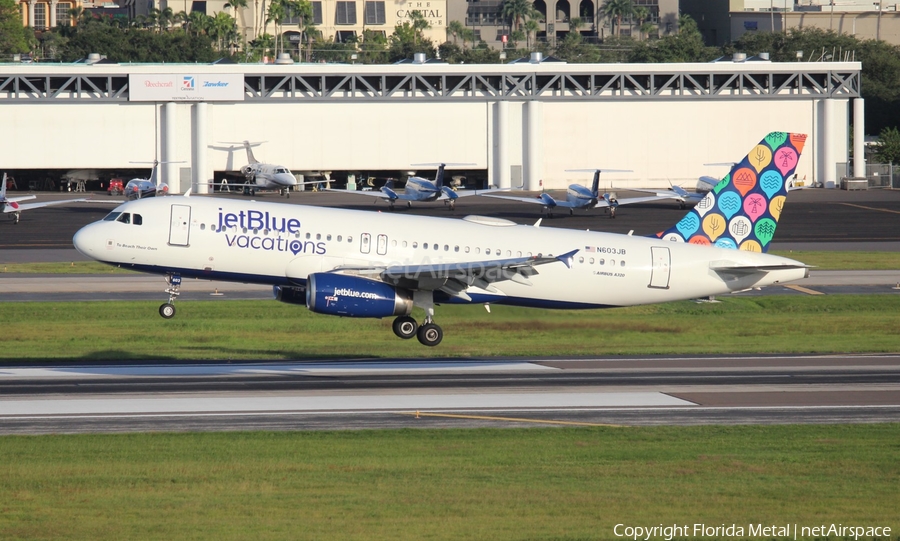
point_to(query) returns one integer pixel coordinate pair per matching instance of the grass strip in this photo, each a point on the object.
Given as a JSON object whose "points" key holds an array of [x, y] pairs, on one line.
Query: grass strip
{"points": [[499, 484], [85, 331]]}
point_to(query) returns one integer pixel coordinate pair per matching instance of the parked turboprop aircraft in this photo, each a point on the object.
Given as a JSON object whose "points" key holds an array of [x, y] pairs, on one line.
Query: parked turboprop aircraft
{"points": [[419, 189], [580, 197], [364, 264], [12, 204]]}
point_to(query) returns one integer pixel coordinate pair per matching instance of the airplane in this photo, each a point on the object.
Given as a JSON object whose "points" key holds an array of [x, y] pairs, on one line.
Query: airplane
{"points": [[419, 189], [139, 188], [353, 263], [12, 204], [266, 176], [580, 197]]}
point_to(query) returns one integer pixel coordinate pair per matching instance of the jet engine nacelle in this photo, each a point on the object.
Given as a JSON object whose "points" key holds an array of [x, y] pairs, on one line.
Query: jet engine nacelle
{"points": [[352, 296], [290, 295]]}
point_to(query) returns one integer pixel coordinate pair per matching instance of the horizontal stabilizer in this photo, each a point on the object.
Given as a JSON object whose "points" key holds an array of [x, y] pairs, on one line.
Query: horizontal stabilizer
{"points": [[741, 269]]}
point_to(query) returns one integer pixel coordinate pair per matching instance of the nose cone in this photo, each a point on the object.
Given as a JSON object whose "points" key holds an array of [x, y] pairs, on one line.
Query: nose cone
{"points": [[85, 241], [285, 179]]}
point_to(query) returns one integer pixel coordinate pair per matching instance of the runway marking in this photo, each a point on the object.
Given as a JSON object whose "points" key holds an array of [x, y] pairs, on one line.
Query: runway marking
{"points": [[418, 414], [802, 289], [870, 208]]}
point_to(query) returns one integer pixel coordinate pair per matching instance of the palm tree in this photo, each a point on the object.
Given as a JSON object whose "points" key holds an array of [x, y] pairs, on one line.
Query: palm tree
{"points": [[239, 6], [455, 28], [514, 10], [641, 13], [166, 17], [616, 9], [532, 27]]}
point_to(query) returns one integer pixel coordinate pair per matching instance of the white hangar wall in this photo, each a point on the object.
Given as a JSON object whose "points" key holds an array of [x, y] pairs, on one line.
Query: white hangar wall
{"points": [[663, 141], [525, 124]]}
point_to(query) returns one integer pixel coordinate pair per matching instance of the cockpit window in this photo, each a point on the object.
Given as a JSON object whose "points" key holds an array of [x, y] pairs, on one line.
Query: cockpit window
{"points": [[111, 216], [136, 219], [280, 170], [125, 218]]}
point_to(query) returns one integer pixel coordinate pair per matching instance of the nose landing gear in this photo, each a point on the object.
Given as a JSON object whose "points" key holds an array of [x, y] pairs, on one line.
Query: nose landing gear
{"points": [[173, 281]]}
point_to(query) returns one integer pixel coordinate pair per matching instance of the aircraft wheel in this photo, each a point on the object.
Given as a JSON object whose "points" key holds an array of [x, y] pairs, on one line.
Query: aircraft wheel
{"points": [[409, 204], [430, 335], [405, 327], [571, 212], [167, 310]]}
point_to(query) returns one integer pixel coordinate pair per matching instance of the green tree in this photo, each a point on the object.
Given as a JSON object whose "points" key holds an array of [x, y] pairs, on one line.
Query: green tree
{"points": [[13, 36], [888, 148], [641, 13], [406, 41], [454, 29], [374, 48], [615, 10], [239, 6], [531, 27], [518, 10], [684, 46]]}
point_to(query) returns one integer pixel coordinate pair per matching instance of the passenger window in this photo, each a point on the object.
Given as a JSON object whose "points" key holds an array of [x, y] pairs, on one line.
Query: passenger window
{"points": [[425, 246], [601, 261], [349, 239], [508, 253], [518, 254], [436, 246], [477, 250], [339, 238], [328, 237], [415, 244], [581, 260], [446, 248], [202, 226], [394, 243], [591, 261], [318, 236], [404, 244], [621, 263], [456, 248], [137, 219], [308, 236], [467, 249]]}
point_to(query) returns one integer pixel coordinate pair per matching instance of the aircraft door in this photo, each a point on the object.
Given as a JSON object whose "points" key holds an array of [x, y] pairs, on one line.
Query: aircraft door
{"points": [[382, 244], [365, 243], [662, 260], [180, 225]]}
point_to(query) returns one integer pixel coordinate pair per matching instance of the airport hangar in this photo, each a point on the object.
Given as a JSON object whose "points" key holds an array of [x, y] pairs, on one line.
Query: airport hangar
{"points": [[520, 124]]}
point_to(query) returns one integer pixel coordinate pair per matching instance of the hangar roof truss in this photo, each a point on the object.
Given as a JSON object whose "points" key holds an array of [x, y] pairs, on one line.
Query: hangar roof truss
{"points": [[572, 82]]}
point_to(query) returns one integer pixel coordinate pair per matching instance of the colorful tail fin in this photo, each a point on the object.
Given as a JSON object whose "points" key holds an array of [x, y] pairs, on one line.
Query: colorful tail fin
{"points": [[742, 210]]}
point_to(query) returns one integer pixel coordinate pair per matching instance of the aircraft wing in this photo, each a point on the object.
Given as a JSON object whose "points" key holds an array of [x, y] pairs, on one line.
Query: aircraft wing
{"points": [[537, 200], [602, 203], [18, 199], [30, 206], [374, 193], [455, 278], [447, 193]]}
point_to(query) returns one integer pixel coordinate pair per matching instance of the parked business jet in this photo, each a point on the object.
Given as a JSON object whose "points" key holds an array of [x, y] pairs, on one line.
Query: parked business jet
{"points": [[419, 189], [266, 176], [363, 264], [13, 205], [580, 197], [139, 188]]}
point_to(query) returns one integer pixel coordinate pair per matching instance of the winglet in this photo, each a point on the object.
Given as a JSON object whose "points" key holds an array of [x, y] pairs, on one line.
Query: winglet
{"points": [[538, 223], [568, 257]]}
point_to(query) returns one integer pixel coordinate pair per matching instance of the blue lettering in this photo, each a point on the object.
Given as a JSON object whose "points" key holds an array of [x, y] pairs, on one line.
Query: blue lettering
{"points": [[268, 244], [230, 220], [255, 219], [293, 225], [243, 241], [320, 248], [255, 243]]}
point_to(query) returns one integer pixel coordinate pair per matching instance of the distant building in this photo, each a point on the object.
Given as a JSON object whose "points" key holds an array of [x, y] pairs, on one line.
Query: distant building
{"points": [[723, 22]]}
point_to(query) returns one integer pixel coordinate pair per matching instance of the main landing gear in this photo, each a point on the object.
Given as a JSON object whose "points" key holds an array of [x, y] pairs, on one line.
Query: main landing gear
{"points": [[429, 333], [167, 310], [285, 192]]}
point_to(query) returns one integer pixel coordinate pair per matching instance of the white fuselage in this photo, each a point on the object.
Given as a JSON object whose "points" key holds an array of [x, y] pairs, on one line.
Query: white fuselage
{"points": [[270, 176], [282, 244]]}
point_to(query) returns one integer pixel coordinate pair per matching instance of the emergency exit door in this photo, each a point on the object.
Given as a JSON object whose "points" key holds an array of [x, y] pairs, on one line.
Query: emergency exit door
{"points": [[662, 262]]}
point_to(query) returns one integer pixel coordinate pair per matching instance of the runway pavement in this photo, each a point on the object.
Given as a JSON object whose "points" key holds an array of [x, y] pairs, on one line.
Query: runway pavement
{"points": [[338, 395]]}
